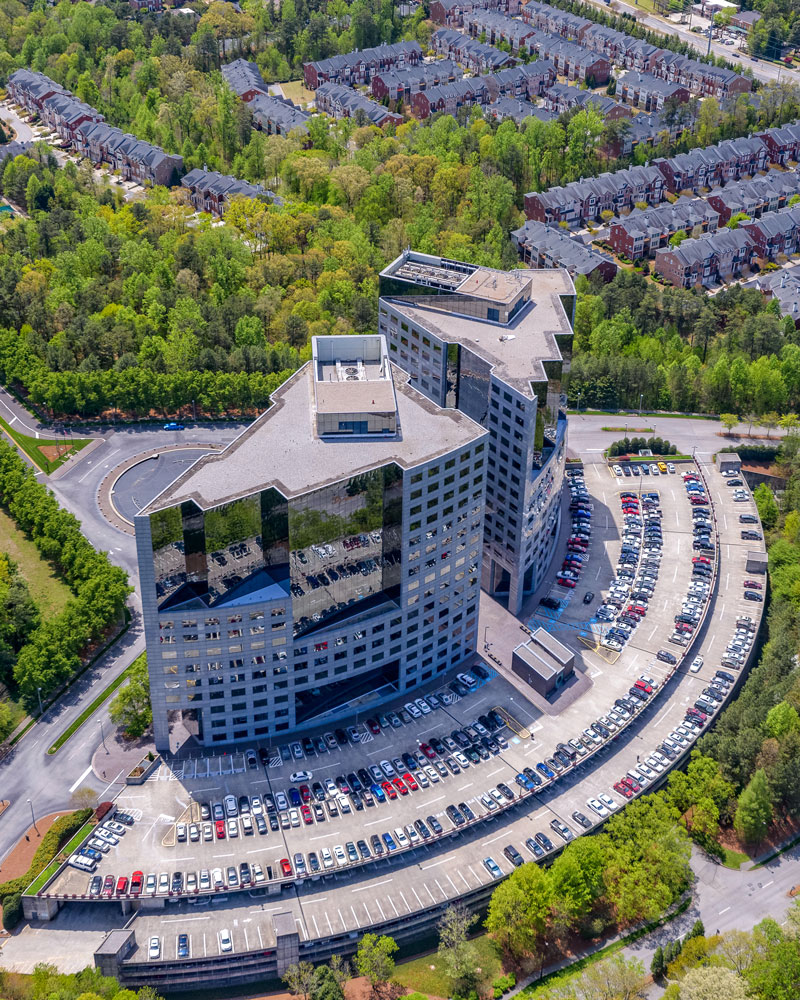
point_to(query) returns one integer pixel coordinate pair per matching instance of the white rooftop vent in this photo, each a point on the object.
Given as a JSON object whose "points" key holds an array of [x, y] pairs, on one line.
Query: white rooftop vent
{"points": [[507, 336]]}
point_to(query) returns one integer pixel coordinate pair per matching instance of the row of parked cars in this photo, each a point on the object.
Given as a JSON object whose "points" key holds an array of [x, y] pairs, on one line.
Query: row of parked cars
{"points": [[645, 469], [104, 836], [580, 507], [637, 569]]}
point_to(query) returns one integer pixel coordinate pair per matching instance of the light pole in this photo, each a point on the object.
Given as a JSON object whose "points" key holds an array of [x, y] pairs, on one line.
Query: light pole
{"points": [[641, 397], [579, 401], [485, 637], [33, 817], [39, 696], [103, 736]]}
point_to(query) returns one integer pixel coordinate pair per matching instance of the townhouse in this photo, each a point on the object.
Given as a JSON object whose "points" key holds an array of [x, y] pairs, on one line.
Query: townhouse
{"points": [[64, 114], [450, 97], [701, 78], [714, 258], [451, 13], [492, 28], [244, 78], [644, 231], [30, 89], [705, 168], [343, 102], [400, 84], [354, 68], [472, 54], [587, 199], [542, 246], [524, 81], [645, 129], [648, 92], [278, 115], [135, 159], [782, 143], [768, 193], [774, 234], [557, 22], [210, 191], [560, 97], [519, 111], [570, 59], [785, 289]]}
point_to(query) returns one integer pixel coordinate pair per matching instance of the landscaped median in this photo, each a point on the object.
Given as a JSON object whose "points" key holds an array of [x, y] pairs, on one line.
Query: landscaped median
{"points": [[87, 713], [46, 454], [47, 873], [72, 829]]}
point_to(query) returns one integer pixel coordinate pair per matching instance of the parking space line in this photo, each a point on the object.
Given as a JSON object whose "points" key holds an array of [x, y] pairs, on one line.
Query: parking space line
{"points": [[421, 904], [435, 864], [380, 908], [355, 918], [341, 918], [372, 885], [469, 784], [396, 912], [491, 840], [405, 901], [374, 822], [424, 805]]}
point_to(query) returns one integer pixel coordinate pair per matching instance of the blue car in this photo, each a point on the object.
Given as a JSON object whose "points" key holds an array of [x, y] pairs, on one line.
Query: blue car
{"points": [[390, 844], [294, 797], [378, 792], [545, 770], [172, 426], [525, 782]]}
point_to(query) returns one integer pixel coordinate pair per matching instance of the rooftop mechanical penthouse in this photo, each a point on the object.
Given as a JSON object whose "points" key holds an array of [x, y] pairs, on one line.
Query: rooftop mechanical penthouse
{"points": [[493, 345], [328, 559]]}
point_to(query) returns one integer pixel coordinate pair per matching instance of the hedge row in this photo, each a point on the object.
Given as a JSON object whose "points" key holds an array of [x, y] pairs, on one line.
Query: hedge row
{"points": [[764, 452], [52, 842], [53, 652]]}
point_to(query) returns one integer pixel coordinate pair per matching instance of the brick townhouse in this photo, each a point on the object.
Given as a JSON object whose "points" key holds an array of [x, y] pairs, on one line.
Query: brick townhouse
{"points": [[644, 231], [542, 246], [775, 234], [450, 97], [344, 102], [277, 115], [524, 81], [469, 52], [710, 260], [783, 143], [517, 110], [244, 78], [570, 59], [210, 191], [705, 168], [498, 28], [30, 89], [579, 201], [400, 84], [557, 22], [354, 68], [648, 92], [64, 114], [451, 13], [560, 97], [768, 193]]}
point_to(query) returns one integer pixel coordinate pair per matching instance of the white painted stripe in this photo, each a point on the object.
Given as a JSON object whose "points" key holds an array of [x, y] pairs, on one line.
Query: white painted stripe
{"points": [[85, 774]]}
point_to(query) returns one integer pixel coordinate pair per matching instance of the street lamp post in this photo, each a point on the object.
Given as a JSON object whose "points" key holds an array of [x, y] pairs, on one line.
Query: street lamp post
{"points": [[103, 736], [33, 816], [39, 696], [641, 397]]}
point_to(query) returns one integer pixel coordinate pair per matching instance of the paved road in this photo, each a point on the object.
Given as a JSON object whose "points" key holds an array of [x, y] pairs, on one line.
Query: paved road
{"points": [[23, 129]]}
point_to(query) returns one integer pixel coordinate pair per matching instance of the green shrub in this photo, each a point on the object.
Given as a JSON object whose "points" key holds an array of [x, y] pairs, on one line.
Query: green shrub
{"points": [[12, 910], [58, 835], [503, 984]]}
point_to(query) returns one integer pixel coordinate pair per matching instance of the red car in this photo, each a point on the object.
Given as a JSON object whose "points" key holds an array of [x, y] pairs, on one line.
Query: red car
{"points": [[562, 582], [411, 782], [305, 812], [305, 793], [136, 883], [108, 886], [286, 867], [753, 585], [373, 727], [389, 788], [623, 790], [703, 560], [122, 885], [643, 686], [400, 786], [428, 750], [220, 827], [633, 785]]}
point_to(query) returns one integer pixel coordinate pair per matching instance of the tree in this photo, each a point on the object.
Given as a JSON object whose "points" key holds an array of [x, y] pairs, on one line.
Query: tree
{"points": [[754, 809], [12, 910], [299, 979], [455, 951], [131, 709], [577, 878], [770, 421], [83, 798], [374, 960], [767, 506], [657, 965], [6, 720], [615, 978], [325, 985], [519, 908], [711, 983], [781, 720], [728, 421], [789, 423]]}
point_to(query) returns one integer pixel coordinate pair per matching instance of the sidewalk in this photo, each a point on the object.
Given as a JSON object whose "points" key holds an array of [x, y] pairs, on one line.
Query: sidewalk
{"points": [[115, 756]]}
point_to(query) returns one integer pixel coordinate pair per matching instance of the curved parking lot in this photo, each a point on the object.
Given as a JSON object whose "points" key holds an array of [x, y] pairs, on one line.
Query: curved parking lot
{"points": [[394, 818]]}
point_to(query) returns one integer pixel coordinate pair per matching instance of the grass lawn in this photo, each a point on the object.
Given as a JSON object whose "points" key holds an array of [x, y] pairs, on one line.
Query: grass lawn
{"points": [[49, 593], [55, 864], [296, 92], [417, 974], [734, 859], [45, 453]]}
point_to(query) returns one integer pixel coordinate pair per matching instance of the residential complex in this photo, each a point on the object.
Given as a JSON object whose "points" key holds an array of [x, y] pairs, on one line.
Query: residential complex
{"points": [[493, 344]]}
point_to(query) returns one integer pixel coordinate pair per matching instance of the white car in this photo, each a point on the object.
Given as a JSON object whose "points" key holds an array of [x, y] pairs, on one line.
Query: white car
{"points": [[592, 737], [341, 857], [656, 765], [330, 786], [463, 763], [327, 857], [150, 885], [607, 801], [423, 706], [300, 776], [205, 879], [256, 806], [225, 942], [649, 680], [412, 710], [387, 769], [617, 470], [218, 878], [400, 837], [231, 808], [597, 806], [154, 948], [163, 882], [611, 644], [432, 774], [258, 873], [646, 771], [294, 817], [489, 802]]}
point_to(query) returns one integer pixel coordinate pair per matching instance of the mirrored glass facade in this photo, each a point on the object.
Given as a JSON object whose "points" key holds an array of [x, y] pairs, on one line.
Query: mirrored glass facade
{"points": [[338, 547]]}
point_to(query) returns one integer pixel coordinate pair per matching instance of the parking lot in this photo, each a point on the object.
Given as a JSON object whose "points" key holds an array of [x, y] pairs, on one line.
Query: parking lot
{"points": [[360, 887]]}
